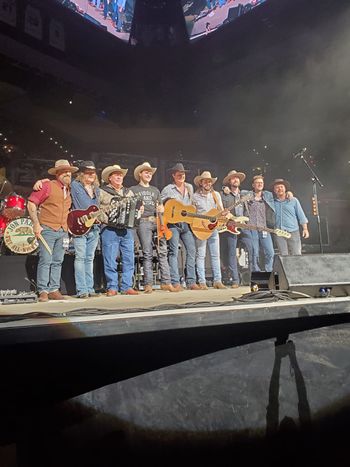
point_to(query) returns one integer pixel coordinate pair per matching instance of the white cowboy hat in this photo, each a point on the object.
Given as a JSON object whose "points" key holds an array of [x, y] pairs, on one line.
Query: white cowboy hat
{"points": [[140, 168], [233, 173], [204, 175], [62, 164], [107, 171]]}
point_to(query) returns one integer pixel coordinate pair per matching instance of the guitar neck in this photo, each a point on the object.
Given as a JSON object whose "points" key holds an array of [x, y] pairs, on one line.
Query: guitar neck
{"points": [[253, 227], [201, 216]]}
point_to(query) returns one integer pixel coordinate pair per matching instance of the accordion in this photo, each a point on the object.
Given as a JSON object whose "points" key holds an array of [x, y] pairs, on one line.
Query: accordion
{"points": [[124, 213]]}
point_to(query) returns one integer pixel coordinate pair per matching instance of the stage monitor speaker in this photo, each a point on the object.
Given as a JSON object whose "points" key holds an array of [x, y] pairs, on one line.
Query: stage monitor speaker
{"points": [[316, 275], [260, 280]]}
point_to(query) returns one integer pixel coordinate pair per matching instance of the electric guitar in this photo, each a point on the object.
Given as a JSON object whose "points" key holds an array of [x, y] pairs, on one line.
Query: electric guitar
{"points": [[233, 224], [80, 221], [202, 225]]}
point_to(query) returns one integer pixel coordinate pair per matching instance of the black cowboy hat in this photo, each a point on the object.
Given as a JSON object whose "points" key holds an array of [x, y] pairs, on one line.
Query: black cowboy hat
{"points": [[86, 165], [178, 167], [280, 181]]}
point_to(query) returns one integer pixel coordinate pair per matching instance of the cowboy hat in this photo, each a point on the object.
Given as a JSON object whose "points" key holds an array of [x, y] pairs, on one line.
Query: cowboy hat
{"points": [[233, 173], [86, 165], [62, 164], [178, 167], [107, 172], [204, 175], [280, 181], [140, 168]]}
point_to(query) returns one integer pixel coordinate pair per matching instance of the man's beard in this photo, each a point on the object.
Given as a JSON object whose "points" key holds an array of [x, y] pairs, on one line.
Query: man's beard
{"points": [[66, 181]]}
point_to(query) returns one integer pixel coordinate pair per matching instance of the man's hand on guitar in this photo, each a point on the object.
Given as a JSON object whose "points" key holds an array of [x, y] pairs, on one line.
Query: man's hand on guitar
{"points": [[160, 208]]}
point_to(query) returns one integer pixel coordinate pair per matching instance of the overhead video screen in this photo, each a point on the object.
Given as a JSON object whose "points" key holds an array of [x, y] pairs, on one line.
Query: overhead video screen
{"points": [[205, 16], [115, 16]]}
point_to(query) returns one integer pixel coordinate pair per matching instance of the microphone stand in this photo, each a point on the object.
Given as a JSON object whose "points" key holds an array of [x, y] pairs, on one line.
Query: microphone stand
{"points": [[315, 180]]}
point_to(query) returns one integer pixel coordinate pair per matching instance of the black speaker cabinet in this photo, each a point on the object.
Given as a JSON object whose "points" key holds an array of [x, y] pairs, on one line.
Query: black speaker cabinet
{"points": [[315, 275]]}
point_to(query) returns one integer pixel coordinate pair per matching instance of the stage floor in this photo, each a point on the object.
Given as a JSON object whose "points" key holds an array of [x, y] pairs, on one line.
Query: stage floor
{"points": [[128, 302]]}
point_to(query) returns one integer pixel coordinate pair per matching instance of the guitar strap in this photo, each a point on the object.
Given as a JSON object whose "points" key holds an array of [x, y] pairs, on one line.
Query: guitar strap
{"points": [[215, 198]]}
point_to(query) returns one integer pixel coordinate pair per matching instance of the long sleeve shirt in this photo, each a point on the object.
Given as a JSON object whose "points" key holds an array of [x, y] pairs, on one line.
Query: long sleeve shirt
{"points": [[81, 198], [289, 214]]}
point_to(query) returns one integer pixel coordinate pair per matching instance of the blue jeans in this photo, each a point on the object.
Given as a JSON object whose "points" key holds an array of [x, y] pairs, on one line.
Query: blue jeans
{"points": [[49, 266], [289, 246], [213, 243], [264, 240], [145, 233], [105, 8], [182, 231], [231, 240], [85, 247], [117, 242]]}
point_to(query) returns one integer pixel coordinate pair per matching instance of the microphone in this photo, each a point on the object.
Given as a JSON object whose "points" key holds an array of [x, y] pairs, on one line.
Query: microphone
{"points": [[299, 153]]}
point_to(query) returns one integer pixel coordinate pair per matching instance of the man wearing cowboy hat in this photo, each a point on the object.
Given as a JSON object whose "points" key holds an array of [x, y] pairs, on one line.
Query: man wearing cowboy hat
{"points": [[289, 215], [85, 192], [183, 192], [205, 199], [54, 201], [116, 241], [152, 202], [231, 194]]}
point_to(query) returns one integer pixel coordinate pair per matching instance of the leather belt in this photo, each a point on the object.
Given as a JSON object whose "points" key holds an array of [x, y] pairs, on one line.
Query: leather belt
{"points": [[149, 218]]}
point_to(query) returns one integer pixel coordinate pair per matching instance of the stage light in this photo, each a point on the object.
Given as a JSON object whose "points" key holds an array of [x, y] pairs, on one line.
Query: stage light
{"points": [[70, 102], [41, 131], [51, 139]]}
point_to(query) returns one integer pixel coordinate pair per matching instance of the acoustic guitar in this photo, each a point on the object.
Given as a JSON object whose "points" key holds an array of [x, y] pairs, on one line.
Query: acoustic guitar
{"points": [[80, 221], [202, 225]]}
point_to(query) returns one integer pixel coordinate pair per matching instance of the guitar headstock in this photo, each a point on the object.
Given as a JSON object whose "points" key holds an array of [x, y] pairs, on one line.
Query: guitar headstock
{"points": [[282, 233], [247, 197]]}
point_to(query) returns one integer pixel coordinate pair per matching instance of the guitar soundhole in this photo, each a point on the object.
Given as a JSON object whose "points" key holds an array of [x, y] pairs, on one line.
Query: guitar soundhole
{"points": [[183, 213]]}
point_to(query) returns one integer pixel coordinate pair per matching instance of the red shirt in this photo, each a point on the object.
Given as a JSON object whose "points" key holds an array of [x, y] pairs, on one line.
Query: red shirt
{"points": [[38, 197]]}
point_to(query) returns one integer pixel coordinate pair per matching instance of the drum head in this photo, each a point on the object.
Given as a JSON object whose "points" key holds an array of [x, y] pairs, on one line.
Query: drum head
{"points": [[19, 236]]}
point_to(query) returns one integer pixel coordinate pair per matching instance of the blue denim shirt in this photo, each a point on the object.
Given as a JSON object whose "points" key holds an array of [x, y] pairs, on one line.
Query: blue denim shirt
{"points": [[289, 214], [80, 197]]}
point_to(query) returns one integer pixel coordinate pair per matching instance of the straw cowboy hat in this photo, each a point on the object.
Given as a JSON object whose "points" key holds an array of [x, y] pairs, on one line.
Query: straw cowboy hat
{"points": [[280, 181], [62, 164], [140, 168], [107, 172], [204, 175], [178, 167], [233, 173]]}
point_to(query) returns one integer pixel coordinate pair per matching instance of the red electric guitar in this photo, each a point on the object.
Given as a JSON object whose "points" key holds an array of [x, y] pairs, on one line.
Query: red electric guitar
{"points": [[80, 221]]}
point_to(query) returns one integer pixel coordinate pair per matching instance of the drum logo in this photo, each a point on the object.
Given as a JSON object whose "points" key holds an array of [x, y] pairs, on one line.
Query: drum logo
{"points": [[19, 236]]}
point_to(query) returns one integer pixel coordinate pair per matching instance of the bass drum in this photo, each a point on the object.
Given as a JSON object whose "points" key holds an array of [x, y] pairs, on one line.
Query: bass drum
{"points": [[19, 236], [3, 224], [14, 207]]}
